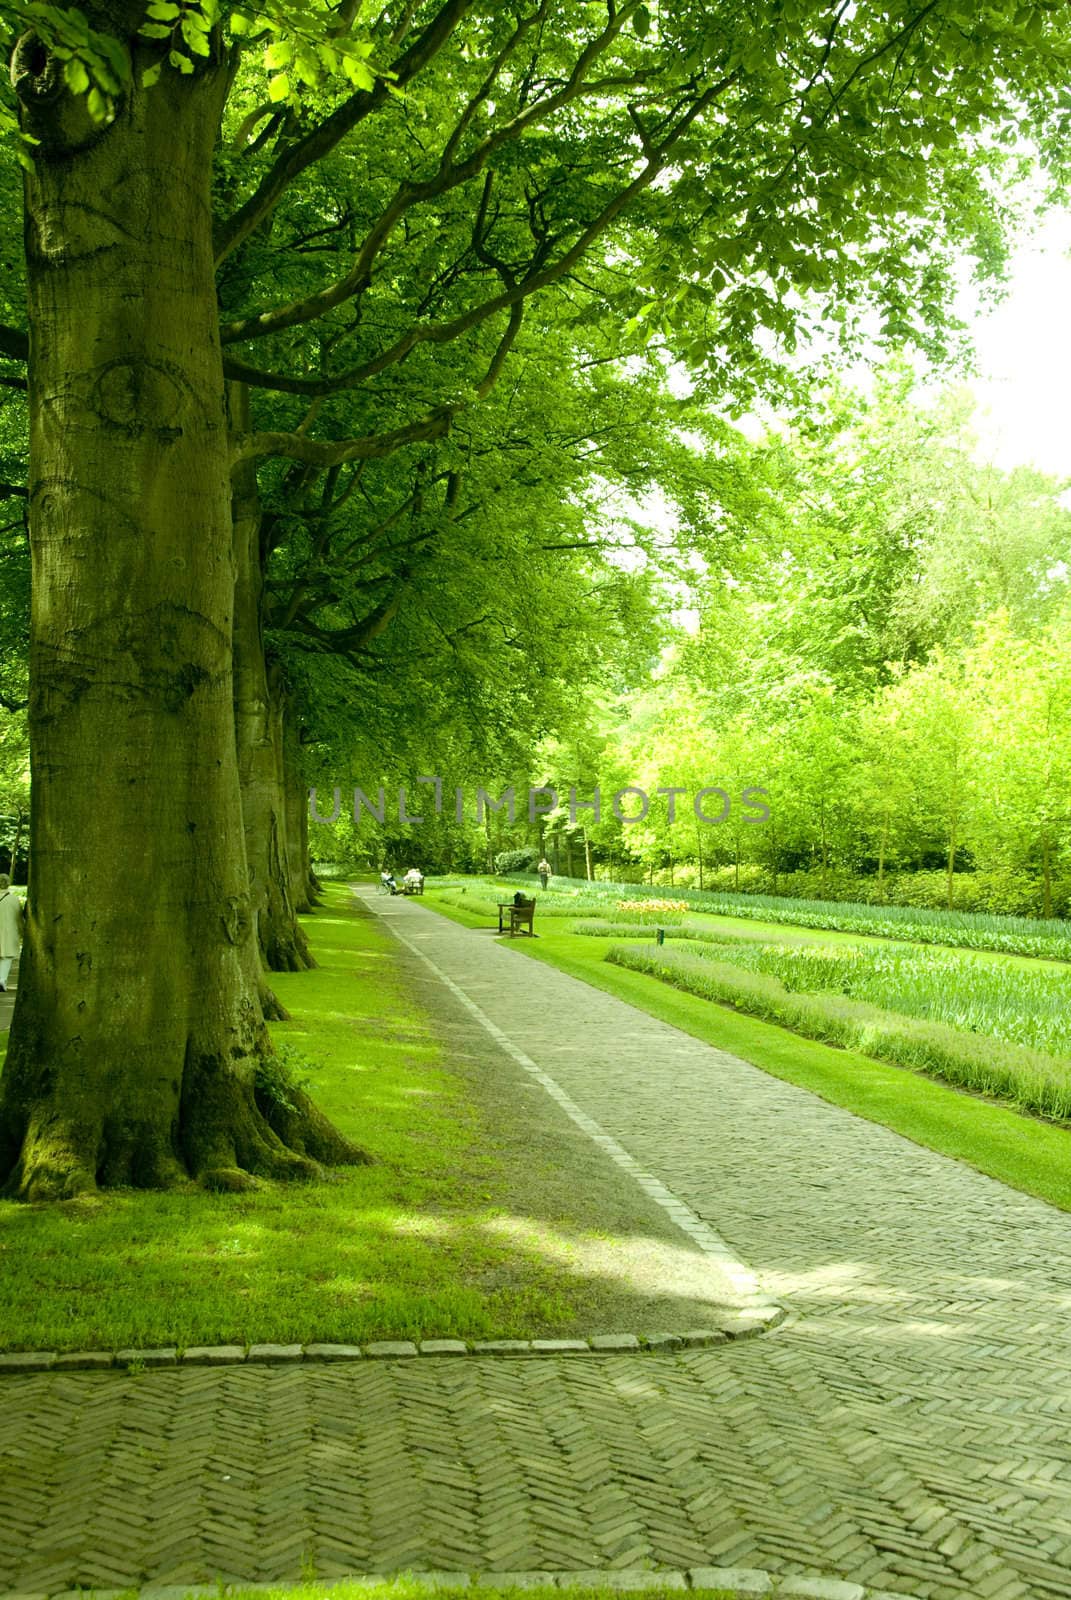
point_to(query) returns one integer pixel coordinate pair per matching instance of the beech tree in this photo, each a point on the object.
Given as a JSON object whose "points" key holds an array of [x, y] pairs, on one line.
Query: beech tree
{"points": [[737, 173]]}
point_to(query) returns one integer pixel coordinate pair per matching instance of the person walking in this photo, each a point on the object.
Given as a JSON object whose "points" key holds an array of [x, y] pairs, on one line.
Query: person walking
{"points": [[12, 922], [544, 871]]}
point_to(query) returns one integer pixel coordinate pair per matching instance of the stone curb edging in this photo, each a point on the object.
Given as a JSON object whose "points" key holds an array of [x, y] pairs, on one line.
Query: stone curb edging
{"points": [[745, 1324], [741, 1581]]}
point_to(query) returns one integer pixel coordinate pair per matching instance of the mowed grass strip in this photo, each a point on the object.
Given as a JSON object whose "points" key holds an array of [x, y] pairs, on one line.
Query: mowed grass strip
{"points": [[402, 1249], [1021, 1151]]}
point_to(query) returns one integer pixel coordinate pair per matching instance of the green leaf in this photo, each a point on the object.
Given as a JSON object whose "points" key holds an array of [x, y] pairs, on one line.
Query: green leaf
{"points": [[118, 58], [279, 87], [151, 75], [163, 11], [76, 76], [279, 54], [195, 36], [155, 30], [641, 22], [240, 24], [358, 74], [308, 68]]}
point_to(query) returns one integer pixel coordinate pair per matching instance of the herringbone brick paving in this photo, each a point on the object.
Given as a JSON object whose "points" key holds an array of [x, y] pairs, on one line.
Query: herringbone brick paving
{"points": [[907, 1429]]}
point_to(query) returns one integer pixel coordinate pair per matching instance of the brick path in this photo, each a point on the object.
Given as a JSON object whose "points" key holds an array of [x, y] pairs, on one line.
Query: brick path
{"points": [[907, 1429]]}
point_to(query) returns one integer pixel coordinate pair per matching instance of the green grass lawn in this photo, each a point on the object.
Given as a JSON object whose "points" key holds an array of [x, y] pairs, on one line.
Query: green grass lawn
{"points": [[406, 1248], [752, 929], [1024, 1152], [472, 1223], [970, 930]]}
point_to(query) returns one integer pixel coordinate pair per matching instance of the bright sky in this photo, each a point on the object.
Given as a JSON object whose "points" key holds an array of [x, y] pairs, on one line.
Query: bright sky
{"points": [[1024, 358]]}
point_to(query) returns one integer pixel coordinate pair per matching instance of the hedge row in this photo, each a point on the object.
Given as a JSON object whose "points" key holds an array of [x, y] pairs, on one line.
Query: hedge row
{"points": [[1026, 1078]]}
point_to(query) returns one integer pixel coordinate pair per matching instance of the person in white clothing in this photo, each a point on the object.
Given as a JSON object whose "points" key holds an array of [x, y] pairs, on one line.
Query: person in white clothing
{"points": [[12, 921]]}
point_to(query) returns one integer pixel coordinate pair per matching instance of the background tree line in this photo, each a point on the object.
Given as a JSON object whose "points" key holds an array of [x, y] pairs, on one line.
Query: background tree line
{"points": [[881, 637]]}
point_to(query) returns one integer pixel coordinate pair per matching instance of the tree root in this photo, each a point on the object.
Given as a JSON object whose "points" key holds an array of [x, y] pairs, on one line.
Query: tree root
{"points": [[238, 1119], [271, 1005], [58, 1161], [303, 1127], [285, 949]]}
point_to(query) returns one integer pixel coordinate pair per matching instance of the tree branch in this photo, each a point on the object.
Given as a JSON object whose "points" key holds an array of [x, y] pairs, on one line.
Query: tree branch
{"points": [[356, 638], [322, 139], [450, 175], [444, 332], [505, 344], [245, 130], [328, 452]]}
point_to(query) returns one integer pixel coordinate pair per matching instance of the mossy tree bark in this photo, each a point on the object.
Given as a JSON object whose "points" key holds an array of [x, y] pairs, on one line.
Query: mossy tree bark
{"points": [[137, 1034], [258, 716], [304, 887]]}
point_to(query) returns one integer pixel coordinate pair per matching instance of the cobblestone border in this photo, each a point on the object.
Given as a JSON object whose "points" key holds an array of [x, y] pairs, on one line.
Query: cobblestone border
{"points": [[745, 1324], [743, 1582]]}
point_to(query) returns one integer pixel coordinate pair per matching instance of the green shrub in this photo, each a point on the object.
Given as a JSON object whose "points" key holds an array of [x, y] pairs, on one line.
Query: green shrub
{"points": [[973, 931], [466, 900], [516, 860], [641, 929]]}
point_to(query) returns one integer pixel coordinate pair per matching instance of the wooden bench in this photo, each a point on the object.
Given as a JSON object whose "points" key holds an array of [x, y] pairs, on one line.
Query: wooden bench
{"points": [[520, 917], [411, 888]]}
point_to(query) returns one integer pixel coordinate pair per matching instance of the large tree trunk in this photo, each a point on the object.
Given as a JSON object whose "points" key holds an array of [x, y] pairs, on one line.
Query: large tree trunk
{"points": [[304, 888], [258, 722], [137, 1033]]}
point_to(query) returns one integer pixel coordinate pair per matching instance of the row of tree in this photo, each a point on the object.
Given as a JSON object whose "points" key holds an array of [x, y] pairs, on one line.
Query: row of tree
{"points": [[331, 325]]}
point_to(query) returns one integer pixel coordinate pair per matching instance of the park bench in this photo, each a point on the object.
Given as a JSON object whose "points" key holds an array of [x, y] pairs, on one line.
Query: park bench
{"points": [[518, 918], [412, 888]]}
